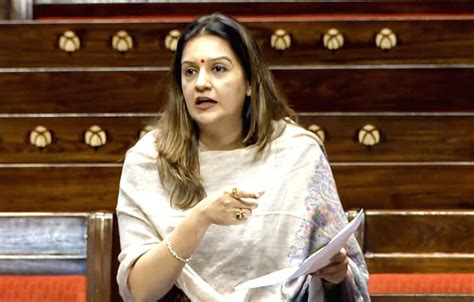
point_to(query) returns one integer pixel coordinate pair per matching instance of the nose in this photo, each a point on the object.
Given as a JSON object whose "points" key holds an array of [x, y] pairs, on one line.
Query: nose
{"points": [[202, 81]]}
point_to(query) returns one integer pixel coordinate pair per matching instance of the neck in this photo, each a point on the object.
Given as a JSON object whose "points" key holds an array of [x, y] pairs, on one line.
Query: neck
{"points": [[221, 139]]}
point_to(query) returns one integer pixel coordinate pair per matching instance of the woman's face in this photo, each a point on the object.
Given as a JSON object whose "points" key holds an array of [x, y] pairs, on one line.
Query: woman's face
{"points": [[213, 82]]}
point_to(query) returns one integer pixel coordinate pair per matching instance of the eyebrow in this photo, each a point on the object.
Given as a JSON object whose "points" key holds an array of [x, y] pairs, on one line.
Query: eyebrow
{"points": [[214, 59]]}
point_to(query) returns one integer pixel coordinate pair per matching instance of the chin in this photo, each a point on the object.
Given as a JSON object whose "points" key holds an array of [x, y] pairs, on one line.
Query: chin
{"points": [[207, 119]]}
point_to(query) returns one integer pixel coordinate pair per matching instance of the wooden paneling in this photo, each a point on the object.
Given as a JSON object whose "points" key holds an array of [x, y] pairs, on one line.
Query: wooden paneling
{"points": [[308, 90], [422, 232], [68, 139], [417, 186], [405, 138], [81, 92], [3, 9], [249, 9], [419, 241], [428, 41], [414, 263], [419, 42], [36, 44], [93, 187], [59, 188], [380, 89]]}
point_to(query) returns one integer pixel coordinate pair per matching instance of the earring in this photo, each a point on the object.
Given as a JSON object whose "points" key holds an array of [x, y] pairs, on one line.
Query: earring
{"points": [[249, 91]]}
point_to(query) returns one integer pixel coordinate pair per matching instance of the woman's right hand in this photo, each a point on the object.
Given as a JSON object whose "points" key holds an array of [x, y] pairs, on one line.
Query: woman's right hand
{"points": [[227, 208]]}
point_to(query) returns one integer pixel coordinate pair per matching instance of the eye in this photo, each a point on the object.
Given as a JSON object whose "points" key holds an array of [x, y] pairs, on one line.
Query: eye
{"points": [[219, 68], [189, 71]]}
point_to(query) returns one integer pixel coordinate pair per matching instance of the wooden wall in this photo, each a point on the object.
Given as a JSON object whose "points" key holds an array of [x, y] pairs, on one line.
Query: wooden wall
{"points": [[417, 96], [3, 10], [255, 9], [419, 241]]}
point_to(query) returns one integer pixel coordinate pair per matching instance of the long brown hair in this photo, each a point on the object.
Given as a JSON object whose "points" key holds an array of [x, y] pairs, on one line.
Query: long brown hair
{"points": [[177, 142]]}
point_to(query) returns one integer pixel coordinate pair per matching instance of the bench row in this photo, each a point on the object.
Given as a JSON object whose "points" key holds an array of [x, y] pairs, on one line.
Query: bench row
{"points": [[433, 248]]}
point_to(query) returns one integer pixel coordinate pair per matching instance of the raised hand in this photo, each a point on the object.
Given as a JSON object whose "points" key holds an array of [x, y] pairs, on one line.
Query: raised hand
{"points": [[228, 208]]}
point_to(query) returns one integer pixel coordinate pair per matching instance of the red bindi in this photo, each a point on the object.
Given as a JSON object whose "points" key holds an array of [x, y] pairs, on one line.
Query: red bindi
{"points": [[202, 61]]}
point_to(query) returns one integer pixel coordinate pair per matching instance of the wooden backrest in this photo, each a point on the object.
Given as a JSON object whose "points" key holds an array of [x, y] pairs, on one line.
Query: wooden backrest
{"points": [[59, 244], [419, 241]]}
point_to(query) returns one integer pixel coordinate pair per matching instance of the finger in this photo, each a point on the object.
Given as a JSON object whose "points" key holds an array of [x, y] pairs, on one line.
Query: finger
{"points": [[246, 199], [246, 204], [238, 194], [334, 268], [340, 256]]}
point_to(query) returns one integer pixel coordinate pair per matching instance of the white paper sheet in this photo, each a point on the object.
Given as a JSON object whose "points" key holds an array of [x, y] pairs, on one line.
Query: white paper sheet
{"points": [[316, 261]]}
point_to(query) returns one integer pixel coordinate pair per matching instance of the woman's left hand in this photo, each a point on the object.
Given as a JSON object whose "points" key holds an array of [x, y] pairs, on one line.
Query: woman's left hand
{"points": [[336, 271]]}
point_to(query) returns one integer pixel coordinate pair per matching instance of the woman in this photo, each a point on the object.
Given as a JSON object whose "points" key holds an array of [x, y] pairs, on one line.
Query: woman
{"points": [[228, 188]]}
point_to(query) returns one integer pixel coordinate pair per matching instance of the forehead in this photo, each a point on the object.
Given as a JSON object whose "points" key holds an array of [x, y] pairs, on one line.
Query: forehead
{"points": [[207, 47]]}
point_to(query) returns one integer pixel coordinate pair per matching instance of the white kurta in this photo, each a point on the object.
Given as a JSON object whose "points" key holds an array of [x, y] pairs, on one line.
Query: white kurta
{"points": [[299, 212]]}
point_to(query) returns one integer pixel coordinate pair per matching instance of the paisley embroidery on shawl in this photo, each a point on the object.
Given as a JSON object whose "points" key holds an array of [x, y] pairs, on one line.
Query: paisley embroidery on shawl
{"points": [[323, 218], [321, 206]]}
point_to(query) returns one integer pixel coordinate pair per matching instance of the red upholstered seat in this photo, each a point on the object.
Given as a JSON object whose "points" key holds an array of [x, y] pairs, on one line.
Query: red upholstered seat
{"points": [[447, 283], [56, 288]]}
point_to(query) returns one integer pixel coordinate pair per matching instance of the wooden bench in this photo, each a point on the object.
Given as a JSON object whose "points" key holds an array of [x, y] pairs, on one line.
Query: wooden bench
{"points": [[419, 255], [55, 256]]}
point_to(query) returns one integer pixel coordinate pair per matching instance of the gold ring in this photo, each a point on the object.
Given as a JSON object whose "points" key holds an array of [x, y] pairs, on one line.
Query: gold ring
{"points": [[235, 193], [240, 215]]}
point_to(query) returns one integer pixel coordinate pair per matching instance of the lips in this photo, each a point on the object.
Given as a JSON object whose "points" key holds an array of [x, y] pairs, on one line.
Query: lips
{"points": [[203, 103], [203, 100]]}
